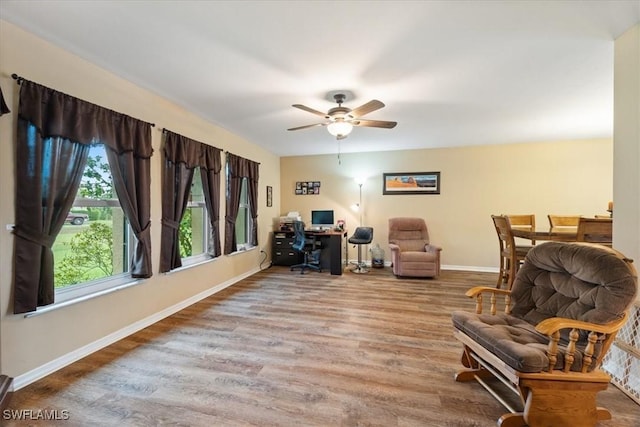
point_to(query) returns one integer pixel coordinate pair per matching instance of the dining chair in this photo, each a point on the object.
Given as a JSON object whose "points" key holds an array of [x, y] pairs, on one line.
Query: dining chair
{"points": [[560, 223], [595, 230], [511, 256], [524, 222]]}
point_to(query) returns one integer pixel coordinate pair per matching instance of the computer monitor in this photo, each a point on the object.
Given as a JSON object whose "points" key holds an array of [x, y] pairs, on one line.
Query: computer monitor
{"points": [[322, 219]]}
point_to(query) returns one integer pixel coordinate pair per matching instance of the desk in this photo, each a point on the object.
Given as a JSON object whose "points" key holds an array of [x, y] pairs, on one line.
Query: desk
{"points": [[557, 236], [330, 243], [331, 246]]}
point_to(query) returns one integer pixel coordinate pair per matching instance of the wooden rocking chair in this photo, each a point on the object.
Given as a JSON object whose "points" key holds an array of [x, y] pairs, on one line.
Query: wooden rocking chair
{"points": [[562, 314]]}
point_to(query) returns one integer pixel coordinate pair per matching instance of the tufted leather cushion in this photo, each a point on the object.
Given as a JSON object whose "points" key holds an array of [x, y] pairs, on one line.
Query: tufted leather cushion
{"points": [[511, 339], [516, 341], [576, 281]]}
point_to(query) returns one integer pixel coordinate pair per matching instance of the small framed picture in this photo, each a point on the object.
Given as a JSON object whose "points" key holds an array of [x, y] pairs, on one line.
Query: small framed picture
{"points": [[269, 196]]}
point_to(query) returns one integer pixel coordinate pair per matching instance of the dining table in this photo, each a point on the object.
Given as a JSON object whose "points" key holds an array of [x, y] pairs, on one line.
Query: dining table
{"points": [[557, 236], [592, 230]]}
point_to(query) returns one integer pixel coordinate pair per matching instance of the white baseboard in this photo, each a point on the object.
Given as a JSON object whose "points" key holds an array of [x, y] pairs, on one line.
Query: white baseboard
{"points": [[448, 267], [40, 372], [470, 268]]}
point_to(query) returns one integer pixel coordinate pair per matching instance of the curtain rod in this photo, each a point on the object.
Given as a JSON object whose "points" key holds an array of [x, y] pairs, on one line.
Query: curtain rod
{"points": [[17, 78], [20, 79], [229, 152]]}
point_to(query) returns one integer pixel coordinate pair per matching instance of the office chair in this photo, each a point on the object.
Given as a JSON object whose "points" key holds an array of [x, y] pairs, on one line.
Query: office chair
{"points": [[306, 246], [361, 236]]}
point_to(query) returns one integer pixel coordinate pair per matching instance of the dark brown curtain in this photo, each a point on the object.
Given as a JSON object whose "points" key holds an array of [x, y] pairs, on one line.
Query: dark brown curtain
{"points": [[55, 132], [132, 182], [210, 167], [182, 155], [252, 188], [47, 178], [234, 182], [4, 108], [237, 169]]}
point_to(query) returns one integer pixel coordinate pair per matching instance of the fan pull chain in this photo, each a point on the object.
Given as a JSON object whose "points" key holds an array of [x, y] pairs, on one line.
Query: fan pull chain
{"points": [[339, 161]]}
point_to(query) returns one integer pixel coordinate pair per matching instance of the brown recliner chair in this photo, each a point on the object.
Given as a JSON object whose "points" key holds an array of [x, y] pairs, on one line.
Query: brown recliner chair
{"points": [[412, 254], [547, 344]]}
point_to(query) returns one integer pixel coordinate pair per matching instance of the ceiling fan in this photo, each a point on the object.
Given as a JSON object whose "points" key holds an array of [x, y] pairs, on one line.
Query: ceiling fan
{"points": [[340, 120]]}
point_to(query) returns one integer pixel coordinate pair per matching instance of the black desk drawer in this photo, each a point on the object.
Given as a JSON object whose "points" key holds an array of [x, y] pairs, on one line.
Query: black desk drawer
{"points": [[283, 243], [286, 257]]}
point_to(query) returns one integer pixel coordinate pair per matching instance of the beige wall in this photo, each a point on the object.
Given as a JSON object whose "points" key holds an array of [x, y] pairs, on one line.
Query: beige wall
{"points": [[30, 343], [626, 227], [564, 177]]}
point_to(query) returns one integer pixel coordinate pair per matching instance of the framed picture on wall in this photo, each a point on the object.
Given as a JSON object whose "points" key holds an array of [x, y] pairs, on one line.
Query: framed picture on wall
{"points": [[307, 187], [411, 183], [269, 196]]}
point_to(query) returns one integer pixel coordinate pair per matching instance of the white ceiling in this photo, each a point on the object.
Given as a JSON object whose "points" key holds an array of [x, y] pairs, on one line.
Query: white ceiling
{"points": [[451, 73]]}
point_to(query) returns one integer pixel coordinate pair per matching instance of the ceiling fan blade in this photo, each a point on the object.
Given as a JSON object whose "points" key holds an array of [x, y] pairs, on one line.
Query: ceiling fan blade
{"points": [[366, 108], [308, 126], [374, 123], [310, 110]]}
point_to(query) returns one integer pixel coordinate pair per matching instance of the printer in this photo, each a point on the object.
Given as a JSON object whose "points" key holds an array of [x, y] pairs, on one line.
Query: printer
{"points": [[286, 222]]}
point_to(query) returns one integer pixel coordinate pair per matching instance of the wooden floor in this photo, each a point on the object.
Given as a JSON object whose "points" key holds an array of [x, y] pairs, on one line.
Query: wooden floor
{"points": [[284, 349]]}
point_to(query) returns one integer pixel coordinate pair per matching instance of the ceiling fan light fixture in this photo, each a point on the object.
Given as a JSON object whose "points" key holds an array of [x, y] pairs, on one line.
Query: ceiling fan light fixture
{"points": [[340, 128], [341, 120]]}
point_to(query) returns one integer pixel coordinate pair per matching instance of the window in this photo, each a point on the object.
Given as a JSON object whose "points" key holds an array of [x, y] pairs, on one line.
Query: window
{"points": [[190, 202], [243, 220], [194, 227], [92, 252], [55, 135], [241, 196]]}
